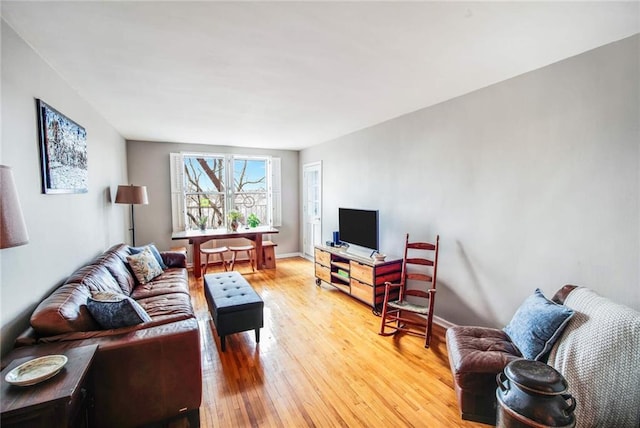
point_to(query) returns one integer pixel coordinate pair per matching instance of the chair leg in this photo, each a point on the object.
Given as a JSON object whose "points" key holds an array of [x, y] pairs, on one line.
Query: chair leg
{"points": [[206, 264], [383, 318], [427, 339], [233, 260], [251, 259], [224, 265]]}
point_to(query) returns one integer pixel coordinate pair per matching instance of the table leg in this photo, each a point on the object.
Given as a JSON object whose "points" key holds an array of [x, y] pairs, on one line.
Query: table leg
{"points": [[258, 251], [197, 265]]}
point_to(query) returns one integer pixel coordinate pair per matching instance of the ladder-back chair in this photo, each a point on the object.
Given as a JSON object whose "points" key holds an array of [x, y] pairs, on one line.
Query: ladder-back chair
{"points": [[417, 292]]}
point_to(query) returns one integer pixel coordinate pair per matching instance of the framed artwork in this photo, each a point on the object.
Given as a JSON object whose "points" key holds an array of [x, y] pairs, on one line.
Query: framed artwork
{"points": [[63, 152]]}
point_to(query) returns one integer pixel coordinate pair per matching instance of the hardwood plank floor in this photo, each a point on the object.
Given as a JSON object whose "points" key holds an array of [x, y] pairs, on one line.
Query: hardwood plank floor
{"points": [[319, 363]]}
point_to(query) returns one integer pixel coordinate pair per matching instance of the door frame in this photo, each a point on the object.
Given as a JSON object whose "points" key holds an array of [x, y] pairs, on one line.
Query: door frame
{"points": [[307, 167]]}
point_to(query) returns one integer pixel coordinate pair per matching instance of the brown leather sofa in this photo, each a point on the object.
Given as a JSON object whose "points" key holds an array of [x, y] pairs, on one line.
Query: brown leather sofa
{"points": [[142, 374], [476, 356]]}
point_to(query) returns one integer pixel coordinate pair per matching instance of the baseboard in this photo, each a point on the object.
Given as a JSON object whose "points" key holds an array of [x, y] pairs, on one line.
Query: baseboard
{"points": [[288, 255], [443, 322]]}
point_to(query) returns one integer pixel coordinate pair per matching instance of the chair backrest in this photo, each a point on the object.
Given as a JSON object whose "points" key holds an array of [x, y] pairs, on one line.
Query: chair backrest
{"points": [[420, 263]]}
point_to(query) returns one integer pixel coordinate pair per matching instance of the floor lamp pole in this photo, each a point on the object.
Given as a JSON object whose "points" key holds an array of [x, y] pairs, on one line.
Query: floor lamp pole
{"points": [[133, 227]]}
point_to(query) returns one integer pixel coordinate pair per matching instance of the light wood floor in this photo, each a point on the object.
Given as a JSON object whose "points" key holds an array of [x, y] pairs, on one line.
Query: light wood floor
{"points": [[319, 363]]}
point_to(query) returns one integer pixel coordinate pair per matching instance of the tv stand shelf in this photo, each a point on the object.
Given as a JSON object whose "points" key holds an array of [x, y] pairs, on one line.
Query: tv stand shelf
{"points": [[361, 277]]}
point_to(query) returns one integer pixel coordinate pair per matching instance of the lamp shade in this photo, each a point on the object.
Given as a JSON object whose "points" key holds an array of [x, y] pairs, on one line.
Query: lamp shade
{"points": [[136, 195], [13, 231]]}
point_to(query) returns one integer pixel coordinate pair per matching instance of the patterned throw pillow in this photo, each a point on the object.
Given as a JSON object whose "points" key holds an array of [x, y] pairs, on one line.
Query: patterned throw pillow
{"points": [[154, 250], [144, 266], [113, 310]]}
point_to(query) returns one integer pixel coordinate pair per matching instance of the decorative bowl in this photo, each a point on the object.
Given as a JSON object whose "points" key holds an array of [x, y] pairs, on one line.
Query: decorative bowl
{"points": [[379, 257], [36, 370]]}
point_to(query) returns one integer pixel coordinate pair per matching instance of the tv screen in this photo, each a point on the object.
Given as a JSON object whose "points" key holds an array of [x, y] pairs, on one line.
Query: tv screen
{"points": [[358, 227]]}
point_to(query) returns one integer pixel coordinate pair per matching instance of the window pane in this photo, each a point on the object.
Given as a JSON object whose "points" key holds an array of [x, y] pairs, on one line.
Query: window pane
{"points": [[204, 174], [204, 191], [249, 175], [201, 205], [251, 203], [250, 188]]}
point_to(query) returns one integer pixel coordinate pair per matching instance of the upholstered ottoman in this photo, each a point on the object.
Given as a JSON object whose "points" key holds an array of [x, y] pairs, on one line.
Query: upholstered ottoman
{"points": [[476, 356], [234, 305]]}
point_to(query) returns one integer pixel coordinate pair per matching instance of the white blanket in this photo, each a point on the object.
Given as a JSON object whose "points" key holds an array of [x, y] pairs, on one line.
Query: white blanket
{"points": [[599, 355]]}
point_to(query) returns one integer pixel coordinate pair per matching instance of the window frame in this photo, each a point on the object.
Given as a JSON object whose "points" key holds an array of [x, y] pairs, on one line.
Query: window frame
{"points": [[180, 193]]}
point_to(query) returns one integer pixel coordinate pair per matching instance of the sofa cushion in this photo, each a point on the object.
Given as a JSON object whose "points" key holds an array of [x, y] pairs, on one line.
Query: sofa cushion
{"points": [[112, 310], [537, 324], [165, 306], [96, 278], [170, 281], [64, 311], [144, 266], [115, 263], [154, 251]]}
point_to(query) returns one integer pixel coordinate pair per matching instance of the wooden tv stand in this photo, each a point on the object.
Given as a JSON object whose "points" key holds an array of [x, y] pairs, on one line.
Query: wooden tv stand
{"points": [[360, 277]]}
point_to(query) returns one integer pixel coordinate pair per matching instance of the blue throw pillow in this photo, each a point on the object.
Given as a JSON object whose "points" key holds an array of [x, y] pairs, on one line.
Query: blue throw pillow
{"points": [[537, 324], [113, 310], [154, 251]]}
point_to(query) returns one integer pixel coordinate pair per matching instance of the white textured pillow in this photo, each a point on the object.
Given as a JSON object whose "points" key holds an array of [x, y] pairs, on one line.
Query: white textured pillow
{"points": [[144, 266]]}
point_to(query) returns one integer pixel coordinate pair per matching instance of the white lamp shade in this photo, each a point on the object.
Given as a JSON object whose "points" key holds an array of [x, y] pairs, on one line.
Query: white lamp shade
{"points": [[13, 231]]}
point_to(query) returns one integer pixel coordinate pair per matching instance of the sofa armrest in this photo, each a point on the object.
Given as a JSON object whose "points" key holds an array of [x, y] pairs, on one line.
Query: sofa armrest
{"points": [[27, 338], [563, 293], [174, 258], [159, 368]]}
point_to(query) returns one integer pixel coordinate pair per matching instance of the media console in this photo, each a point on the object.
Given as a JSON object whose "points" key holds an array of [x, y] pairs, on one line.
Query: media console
{"points": [[360, 277]]}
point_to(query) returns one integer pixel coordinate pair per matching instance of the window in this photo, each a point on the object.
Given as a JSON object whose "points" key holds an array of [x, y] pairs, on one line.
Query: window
{"points": [[205, 187]]}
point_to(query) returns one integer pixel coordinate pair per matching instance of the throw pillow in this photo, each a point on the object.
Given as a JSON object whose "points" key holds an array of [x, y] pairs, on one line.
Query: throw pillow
{"points": [[144, 266], [537, 324], [113, 310], [154, 250]]}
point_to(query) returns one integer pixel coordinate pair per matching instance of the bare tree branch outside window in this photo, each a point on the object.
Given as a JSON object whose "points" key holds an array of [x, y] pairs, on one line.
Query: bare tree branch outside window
{"points": [[205, 189]]}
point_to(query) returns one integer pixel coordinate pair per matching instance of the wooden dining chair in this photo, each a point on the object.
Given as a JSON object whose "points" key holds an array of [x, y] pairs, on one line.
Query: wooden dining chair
{"points": [[412, 311]]}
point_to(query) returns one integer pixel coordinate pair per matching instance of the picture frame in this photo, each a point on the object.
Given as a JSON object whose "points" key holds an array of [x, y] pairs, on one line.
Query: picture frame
{"points": [[63, 152]]}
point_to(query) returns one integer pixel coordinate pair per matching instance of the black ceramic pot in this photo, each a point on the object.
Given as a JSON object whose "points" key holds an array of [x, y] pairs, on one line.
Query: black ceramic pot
{"points": [[533, 394]]}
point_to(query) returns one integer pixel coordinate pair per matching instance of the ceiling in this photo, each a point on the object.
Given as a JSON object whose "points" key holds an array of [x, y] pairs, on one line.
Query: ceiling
{"points": [[288, 75]]}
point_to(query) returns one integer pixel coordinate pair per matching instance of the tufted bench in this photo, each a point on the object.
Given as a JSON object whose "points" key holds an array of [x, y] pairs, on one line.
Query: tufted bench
{"points": [[233, 304], [476, 356]]}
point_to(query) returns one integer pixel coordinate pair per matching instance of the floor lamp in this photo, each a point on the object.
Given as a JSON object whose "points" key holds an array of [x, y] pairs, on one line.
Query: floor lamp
{"points": [[13, 231], [134, 195]]}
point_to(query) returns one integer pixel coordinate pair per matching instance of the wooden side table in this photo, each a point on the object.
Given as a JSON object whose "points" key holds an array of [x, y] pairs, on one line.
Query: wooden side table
{"points": [[61, 401]]}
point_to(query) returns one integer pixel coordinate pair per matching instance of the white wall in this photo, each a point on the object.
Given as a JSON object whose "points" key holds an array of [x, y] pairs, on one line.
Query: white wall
{"points": [[532, 182], [148, 165], [65, 230]]}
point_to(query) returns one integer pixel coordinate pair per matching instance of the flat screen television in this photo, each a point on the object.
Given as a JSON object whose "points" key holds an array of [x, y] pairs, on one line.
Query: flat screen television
{"points": [[358, 227]]}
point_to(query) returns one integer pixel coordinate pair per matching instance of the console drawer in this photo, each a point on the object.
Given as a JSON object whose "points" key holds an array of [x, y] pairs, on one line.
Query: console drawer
{"points": [[361, 272], [362, 291], [322, 257], [323, 272]]}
